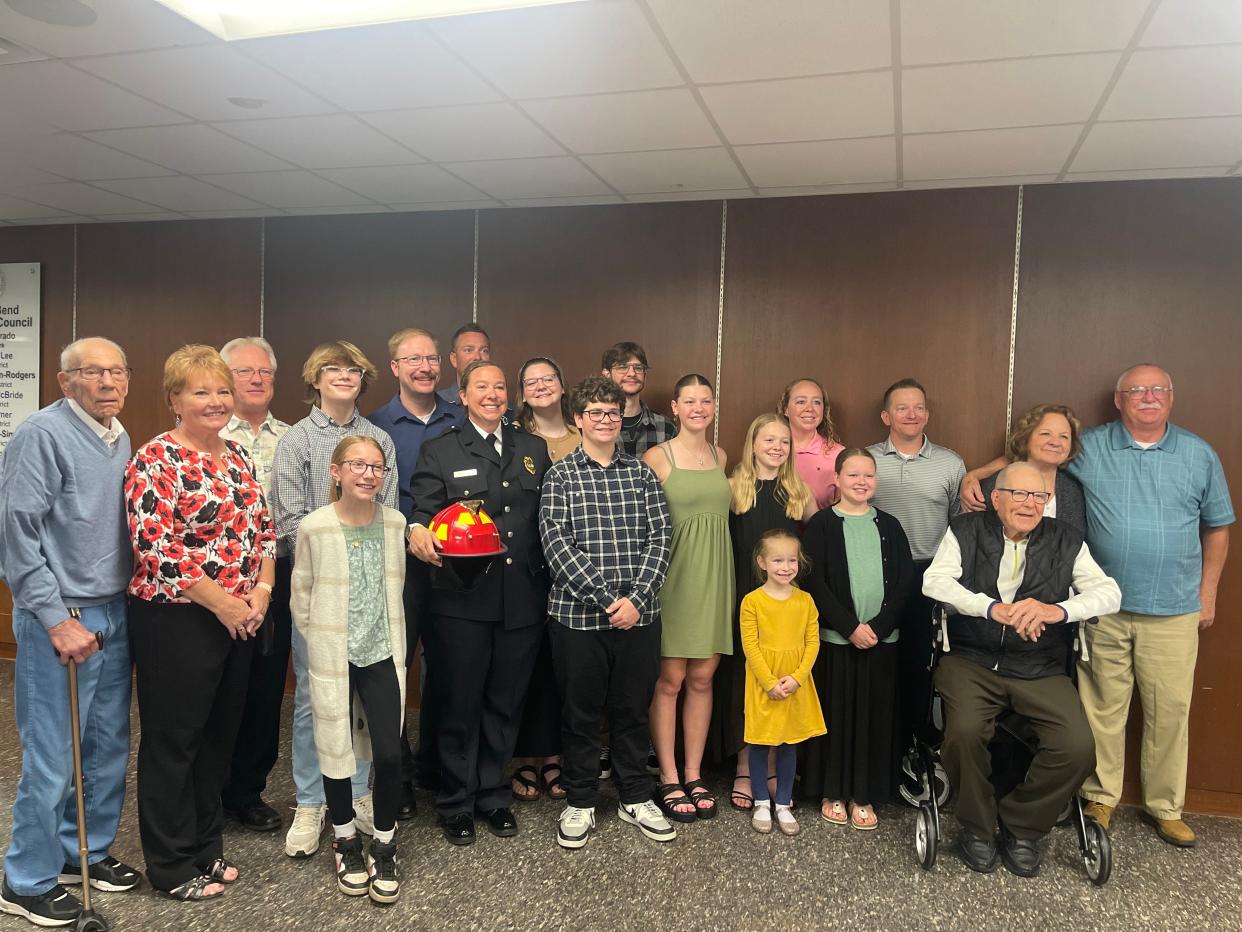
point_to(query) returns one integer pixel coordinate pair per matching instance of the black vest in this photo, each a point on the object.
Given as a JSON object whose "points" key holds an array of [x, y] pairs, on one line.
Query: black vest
{"points": [[1051, 550]]}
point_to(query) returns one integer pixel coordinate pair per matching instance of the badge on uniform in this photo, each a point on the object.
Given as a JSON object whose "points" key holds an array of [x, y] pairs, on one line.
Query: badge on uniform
{"points": [[529, 464]]}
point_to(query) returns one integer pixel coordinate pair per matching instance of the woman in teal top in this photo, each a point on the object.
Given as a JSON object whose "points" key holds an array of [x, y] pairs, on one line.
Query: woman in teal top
{"points": [[696, 603], [861, 577]]}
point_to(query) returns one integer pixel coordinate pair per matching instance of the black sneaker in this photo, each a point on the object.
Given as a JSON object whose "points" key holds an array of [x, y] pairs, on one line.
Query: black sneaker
{"points": [[57, 907], [352, 877], [382, 864], [109, 875]]}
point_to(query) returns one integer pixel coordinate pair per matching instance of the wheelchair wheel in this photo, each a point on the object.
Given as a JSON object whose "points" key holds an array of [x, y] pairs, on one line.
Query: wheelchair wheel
{"points": [[1098, 853], [926, 837]]}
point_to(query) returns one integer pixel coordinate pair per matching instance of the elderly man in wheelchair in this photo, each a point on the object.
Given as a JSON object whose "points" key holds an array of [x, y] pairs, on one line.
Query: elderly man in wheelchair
{"points": [[1015, 581]]}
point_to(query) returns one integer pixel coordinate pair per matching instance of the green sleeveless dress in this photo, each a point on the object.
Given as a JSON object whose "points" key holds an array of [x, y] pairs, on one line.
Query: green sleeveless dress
{"points": [[697, 602]]}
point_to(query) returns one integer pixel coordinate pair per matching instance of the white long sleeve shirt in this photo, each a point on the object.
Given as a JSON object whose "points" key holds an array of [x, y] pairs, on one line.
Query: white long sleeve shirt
{"points": [[1095, 592]]}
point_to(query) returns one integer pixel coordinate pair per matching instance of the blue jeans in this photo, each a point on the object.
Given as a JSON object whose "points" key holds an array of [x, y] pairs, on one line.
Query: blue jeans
{"points": [[307, 778], [45, 833]]}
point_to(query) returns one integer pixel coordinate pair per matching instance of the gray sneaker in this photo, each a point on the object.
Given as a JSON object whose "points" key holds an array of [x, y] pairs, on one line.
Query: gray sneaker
{"points": [[303, 838], [574, 826], [364, 815], [649, 819]]}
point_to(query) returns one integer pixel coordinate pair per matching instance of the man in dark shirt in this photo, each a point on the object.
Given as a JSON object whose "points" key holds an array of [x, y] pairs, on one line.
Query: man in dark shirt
{"points": [[641, 428]]}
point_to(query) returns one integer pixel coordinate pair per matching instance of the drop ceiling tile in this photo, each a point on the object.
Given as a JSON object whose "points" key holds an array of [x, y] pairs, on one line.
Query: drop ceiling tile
{"points": [[811, 190], [77, 198], [374, 68], [986, 153], [1195, 22], [144, 217], [227, 214], [402, 184], [15, 208], [51, 92], [561, 50], [335, 141], [837, 107], [1161, 144], [460, 134], [564, 201], [935, 31], [669, 170], [1150, 173], [551, 177], [1017, 92], [50, 221], [191, 148], [841, 161], [741, 40], [16, 172], [668, 119], [287, 189], [732, 194], [1002, 181], [84, 160], [120, 26], [447, 205], [1178, 82], [324, 211], [179, 194], [199, 82]]}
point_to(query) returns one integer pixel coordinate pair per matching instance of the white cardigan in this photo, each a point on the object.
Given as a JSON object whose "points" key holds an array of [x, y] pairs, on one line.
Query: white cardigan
{"points": [[319, 601]]}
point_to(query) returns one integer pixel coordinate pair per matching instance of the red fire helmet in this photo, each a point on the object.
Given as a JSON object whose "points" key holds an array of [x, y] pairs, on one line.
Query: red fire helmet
{"points": [[464, 529]]}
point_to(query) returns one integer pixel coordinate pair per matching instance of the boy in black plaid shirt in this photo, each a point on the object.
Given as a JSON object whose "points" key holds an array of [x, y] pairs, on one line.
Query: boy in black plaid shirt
{"points": [[605, 528]]}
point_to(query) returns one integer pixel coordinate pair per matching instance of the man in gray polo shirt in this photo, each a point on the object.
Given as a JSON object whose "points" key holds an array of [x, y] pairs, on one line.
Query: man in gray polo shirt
{"points": [[917, 483]]}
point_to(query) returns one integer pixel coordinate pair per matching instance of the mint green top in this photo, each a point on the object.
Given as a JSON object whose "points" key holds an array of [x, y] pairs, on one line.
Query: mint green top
{"points": [[865, 560], [368, 612]]}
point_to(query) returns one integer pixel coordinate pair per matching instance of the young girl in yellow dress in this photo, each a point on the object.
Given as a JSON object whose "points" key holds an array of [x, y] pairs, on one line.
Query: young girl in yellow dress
{"points": [[780, 635]]}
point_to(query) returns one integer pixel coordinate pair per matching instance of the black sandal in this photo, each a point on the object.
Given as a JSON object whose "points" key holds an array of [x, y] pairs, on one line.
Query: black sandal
{"points": [[192, 890], [698, 792], [553, 784], [670, 795], [530, 782], [215, 870], [742, 802]]}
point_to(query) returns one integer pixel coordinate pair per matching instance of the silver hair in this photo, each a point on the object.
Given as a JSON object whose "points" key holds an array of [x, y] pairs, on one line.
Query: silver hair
{"points": [[1143, 365], [69, 355], [1002, 477], [257, 342]]}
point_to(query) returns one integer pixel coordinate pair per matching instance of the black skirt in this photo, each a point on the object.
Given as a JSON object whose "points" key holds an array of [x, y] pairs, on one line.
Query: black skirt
{"points": [[858, 758], [540, 733]]}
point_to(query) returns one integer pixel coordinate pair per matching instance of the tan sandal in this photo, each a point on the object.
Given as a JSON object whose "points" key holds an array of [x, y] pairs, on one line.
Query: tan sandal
{"points": [[832, 811], [859, 823]]}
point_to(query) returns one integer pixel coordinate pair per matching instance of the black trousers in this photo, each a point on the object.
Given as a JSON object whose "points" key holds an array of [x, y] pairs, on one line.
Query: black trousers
{"points": [[419, 764], [191, 688], [482, 672], [914, 656], [379, 692], [973, 697], [258, 738], [610, 672], [540, 733]]}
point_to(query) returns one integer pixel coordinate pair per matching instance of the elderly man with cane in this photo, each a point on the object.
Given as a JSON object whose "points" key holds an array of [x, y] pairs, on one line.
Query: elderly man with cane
{"points": [[67, 559]]}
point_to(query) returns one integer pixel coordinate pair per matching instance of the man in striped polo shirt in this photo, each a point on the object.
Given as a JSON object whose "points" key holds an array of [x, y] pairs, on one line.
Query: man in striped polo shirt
{"points": [[917, 483]]}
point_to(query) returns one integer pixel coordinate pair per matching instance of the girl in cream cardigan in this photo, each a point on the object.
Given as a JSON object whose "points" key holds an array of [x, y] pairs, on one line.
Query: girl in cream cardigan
{"points": [[346, 602]]}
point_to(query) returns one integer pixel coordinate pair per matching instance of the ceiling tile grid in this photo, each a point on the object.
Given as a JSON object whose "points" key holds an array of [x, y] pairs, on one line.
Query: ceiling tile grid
{"points": [[145, 115]]}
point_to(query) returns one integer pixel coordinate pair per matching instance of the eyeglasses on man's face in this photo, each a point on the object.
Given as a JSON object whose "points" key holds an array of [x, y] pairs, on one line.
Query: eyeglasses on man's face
{"points": [[95, 373], [1021, 495], [361, 468], [246, 373], [1138, 391], [354, 372], [431, 359], [599, 416], [636, 367]]}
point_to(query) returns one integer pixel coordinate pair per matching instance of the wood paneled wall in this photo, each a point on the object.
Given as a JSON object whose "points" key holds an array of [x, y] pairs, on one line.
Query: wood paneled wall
{"points": [[856, 290]]}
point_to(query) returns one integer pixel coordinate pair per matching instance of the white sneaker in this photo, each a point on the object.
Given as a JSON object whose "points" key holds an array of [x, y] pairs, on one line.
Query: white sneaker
{"points": [[303, 838], [364, 815], [574, 826], [649, 819]]}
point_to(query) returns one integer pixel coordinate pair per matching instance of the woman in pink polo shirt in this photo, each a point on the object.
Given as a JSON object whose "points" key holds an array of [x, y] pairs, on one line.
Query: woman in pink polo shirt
{"points": [[816, 444]]}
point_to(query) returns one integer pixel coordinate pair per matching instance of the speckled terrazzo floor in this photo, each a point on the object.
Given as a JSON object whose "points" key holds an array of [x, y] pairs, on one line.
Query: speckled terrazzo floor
{"points": [[716, 875]]}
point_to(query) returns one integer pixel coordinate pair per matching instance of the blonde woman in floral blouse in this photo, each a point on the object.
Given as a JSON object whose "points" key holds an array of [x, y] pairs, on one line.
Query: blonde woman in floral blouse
{"points": [[204, 565]]}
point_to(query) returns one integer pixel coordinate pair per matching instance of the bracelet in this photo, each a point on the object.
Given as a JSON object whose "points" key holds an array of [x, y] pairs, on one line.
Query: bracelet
{"points": [[264, 585]]}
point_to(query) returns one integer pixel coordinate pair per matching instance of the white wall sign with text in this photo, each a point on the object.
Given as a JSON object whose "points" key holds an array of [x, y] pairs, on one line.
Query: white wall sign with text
{"points": [[19, 345]]}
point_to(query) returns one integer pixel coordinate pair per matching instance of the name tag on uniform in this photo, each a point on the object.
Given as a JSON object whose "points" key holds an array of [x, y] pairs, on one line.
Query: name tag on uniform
{"points": [[463, 473]]}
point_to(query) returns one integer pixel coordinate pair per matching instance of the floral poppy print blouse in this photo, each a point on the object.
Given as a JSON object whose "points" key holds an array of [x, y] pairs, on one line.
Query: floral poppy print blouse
{"points": [[195, 517]]}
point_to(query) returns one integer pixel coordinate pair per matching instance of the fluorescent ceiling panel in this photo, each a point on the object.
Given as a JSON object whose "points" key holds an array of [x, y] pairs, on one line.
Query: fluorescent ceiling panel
{"points": [[250, 19]]}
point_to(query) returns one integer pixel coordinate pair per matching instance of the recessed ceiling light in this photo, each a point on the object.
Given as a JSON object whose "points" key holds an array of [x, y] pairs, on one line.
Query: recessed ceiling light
{"points": [[249, 19], [57, 12]]}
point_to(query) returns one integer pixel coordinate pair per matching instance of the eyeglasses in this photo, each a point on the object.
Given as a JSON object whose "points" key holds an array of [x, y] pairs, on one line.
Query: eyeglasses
{"points": [[360, 468], [354, 372], [597, 416], [432, 359], [538, 380], [246, 372], [1021, 495], [636, 367], [95, 373], [1138, 391]]}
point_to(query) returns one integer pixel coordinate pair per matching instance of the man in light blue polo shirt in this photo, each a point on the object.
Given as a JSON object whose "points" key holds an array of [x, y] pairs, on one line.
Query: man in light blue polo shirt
{"points": [[1158, 516]]}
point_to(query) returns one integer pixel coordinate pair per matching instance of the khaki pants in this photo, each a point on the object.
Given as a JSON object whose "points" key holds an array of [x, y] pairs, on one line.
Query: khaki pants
{"points": [[1158, 652]]}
